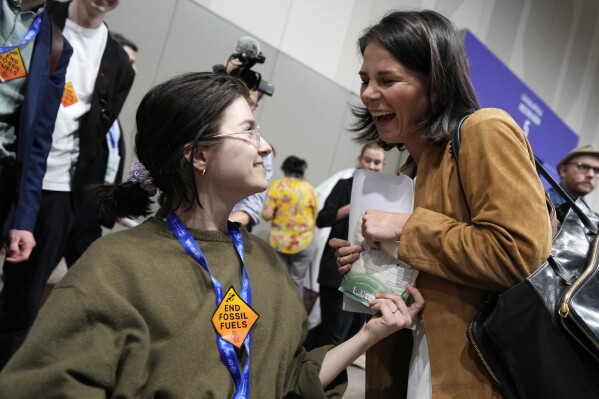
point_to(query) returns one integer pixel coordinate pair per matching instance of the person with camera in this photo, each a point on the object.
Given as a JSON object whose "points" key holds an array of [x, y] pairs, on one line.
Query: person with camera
{"points": [[247, 211]]}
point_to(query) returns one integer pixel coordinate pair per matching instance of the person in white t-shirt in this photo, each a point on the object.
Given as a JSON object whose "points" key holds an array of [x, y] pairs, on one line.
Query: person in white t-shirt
{"points": [[88, 227]]}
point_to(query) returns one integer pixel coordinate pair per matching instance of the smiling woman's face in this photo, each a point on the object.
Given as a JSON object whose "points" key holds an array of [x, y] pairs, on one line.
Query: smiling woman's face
{"points": [[235, 165], [394, 95]]}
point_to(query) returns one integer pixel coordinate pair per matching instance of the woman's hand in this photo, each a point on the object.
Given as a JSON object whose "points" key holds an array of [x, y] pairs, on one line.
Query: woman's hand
{"points": [[380, 226], [392, 313], [345, 253]]}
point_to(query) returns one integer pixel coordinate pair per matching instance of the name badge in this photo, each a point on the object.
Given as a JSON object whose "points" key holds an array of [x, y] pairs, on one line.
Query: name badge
{"points": [[234, 318]]}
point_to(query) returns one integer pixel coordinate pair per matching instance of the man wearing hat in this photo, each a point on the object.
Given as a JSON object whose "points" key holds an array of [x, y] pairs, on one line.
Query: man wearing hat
{"points": [[579, 173]]}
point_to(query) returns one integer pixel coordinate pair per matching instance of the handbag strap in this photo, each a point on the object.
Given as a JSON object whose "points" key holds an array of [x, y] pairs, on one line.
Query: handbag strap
{"points": [[456, 139]]}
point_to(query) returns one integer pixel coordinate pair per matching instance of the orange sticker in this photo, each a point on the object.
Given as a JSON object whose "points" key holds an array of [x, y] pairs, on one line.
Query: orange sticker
{"points": [[234, 318], [68, 95], [11, 66]]}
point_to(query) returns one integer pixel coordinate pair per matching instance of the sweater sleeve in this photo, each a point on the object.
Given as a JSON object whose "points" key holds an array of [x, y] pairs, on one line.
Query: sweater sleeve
{"points": [[304, 381], [508, 235], [67, 354]]}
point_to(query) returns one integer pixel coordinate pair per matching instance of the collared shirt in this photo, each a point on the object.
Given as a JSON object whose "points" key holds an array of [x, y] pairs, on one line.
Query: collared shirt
{"points": [[557, 198], [13, 25]]}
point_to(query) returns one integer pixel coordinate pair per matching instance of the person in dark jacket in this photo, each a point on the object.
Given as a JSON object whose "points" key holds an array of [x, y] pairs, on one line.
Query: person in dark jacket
{"points": [[31, 96], [98, 79]]}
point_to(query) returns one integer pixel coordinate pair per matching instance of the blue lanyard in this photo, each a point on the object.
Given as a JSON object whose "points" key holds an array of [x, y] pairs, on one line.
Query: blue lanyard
{"points": [[29, 35], [227, 351]]}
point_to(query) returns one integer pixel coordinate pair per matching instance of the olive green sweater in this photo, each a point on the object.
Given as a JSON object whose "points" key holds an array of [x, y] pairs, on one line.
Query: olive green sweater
{"points": [[132, 319]]}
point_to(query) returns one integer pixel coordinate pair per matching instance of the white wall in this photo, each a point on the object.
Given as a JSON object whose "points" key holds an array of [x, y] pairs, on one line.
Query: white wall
{"points": [[552, 45]]}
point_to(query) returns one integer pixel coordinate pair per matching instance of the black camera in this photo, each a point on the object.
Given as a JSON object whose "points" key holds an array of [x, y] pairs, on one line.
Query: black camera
{"points": [[247, 54]]}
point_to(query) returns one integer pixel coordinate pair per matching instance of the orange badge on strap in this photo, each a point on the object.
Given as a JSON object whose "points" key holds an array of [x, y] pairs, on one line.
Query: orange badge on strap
{"points": [[11, 66], [234, 318], [68, 95]]}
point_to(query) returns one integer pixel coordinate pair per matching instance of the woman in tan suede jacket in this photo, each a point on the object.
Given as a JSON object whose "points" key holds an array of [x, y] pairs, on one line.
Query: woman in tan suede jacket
{"points": [[415, 90]]}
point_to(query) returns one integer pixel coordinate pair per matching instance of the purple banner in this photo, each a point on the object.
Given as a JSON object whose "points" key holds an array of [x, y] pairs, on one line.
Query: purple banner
{"points": [[498, 87]]}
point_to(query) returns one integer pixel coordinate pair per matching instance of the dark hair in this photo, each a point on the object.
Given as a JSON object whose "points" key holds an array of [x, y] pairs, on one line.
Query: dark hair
{"points": [[123, 41], [294, 166], [428, 43], [172, 119]]}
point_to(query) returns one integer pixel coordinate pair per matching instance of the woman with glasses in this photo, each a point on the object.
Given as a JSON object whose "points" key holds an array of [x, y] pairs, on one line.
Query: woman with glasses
{"points": [[189, 306], [478, 227]]}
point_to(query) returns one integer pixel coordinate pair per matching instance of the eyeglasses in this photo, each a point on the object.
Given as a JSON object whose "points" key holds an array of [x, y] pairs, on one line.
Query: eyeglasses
{"points": [[253, 135], [584, 168]]}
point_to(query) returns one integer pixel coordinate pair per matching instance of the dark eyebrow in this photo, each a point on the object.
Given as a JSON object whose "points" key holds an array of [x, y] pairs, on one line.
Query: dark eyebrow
{"points": [[379, 74]]}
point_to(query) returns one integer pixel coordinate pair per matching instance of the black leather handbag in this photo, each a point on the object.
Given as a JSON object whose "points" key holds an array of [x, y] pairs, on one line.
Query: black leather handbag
{"points": [[540, 338]]}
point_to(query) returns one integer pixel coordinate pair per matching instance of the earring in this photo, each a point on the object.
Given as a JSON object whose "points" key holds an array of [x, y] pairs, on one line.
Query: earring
{"points": [[203, 172]]}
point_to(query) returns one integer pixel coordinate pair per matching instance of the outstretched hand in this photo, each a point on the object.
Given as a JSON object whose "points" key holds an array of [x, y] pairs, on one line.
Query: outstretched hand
{"points": [[392, 314]]}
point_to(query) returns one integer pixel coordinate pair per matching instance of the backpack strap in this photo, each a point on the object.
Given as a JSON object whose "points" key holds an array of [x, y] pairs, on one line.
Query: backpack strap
{"points": [[57, 47], [51, 9]]}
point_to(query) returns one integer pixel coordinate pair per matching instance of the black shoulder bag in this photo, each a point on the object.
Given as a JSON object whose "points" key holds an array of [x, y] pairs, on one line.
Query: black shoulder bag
{"points": [[540, 338]]}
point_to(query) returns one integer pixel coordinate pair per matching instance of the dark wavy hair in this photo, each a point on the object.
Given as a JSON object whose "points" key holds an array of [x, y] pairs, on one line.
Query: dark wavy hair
{"points": [[294, 166], [172, 119], [428, 43]]}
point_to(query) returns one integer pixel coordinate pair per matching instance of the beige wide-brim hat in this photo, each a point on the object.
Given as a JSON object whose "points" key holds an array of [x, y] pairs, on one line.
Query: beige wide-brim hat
{"points": [[589, 149]]}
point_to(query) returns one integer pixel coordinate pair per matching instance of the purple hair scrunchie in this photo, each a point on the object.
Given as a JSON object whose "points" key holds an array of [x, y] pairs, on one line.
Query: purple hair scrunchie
{"points": [[140, 175]]}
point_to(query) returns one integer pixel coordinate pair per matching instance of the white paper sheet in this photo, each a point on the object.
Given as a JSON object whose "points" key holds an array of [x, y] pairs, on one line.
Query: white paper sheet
{"points": [[376, 270]]}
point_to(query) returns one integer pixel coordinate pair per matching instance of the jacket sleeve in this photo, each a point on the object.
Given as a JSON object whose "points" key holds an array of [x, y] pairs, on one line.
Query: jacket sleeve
{"points": [[336, 199], [34, 154], [509, 234]]}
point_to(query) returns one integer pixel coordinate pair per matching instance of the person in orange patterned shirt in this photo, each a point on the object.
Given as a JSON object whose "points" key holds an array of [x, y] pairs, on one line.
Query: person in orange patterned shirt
{"points": [[292, 206]]}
